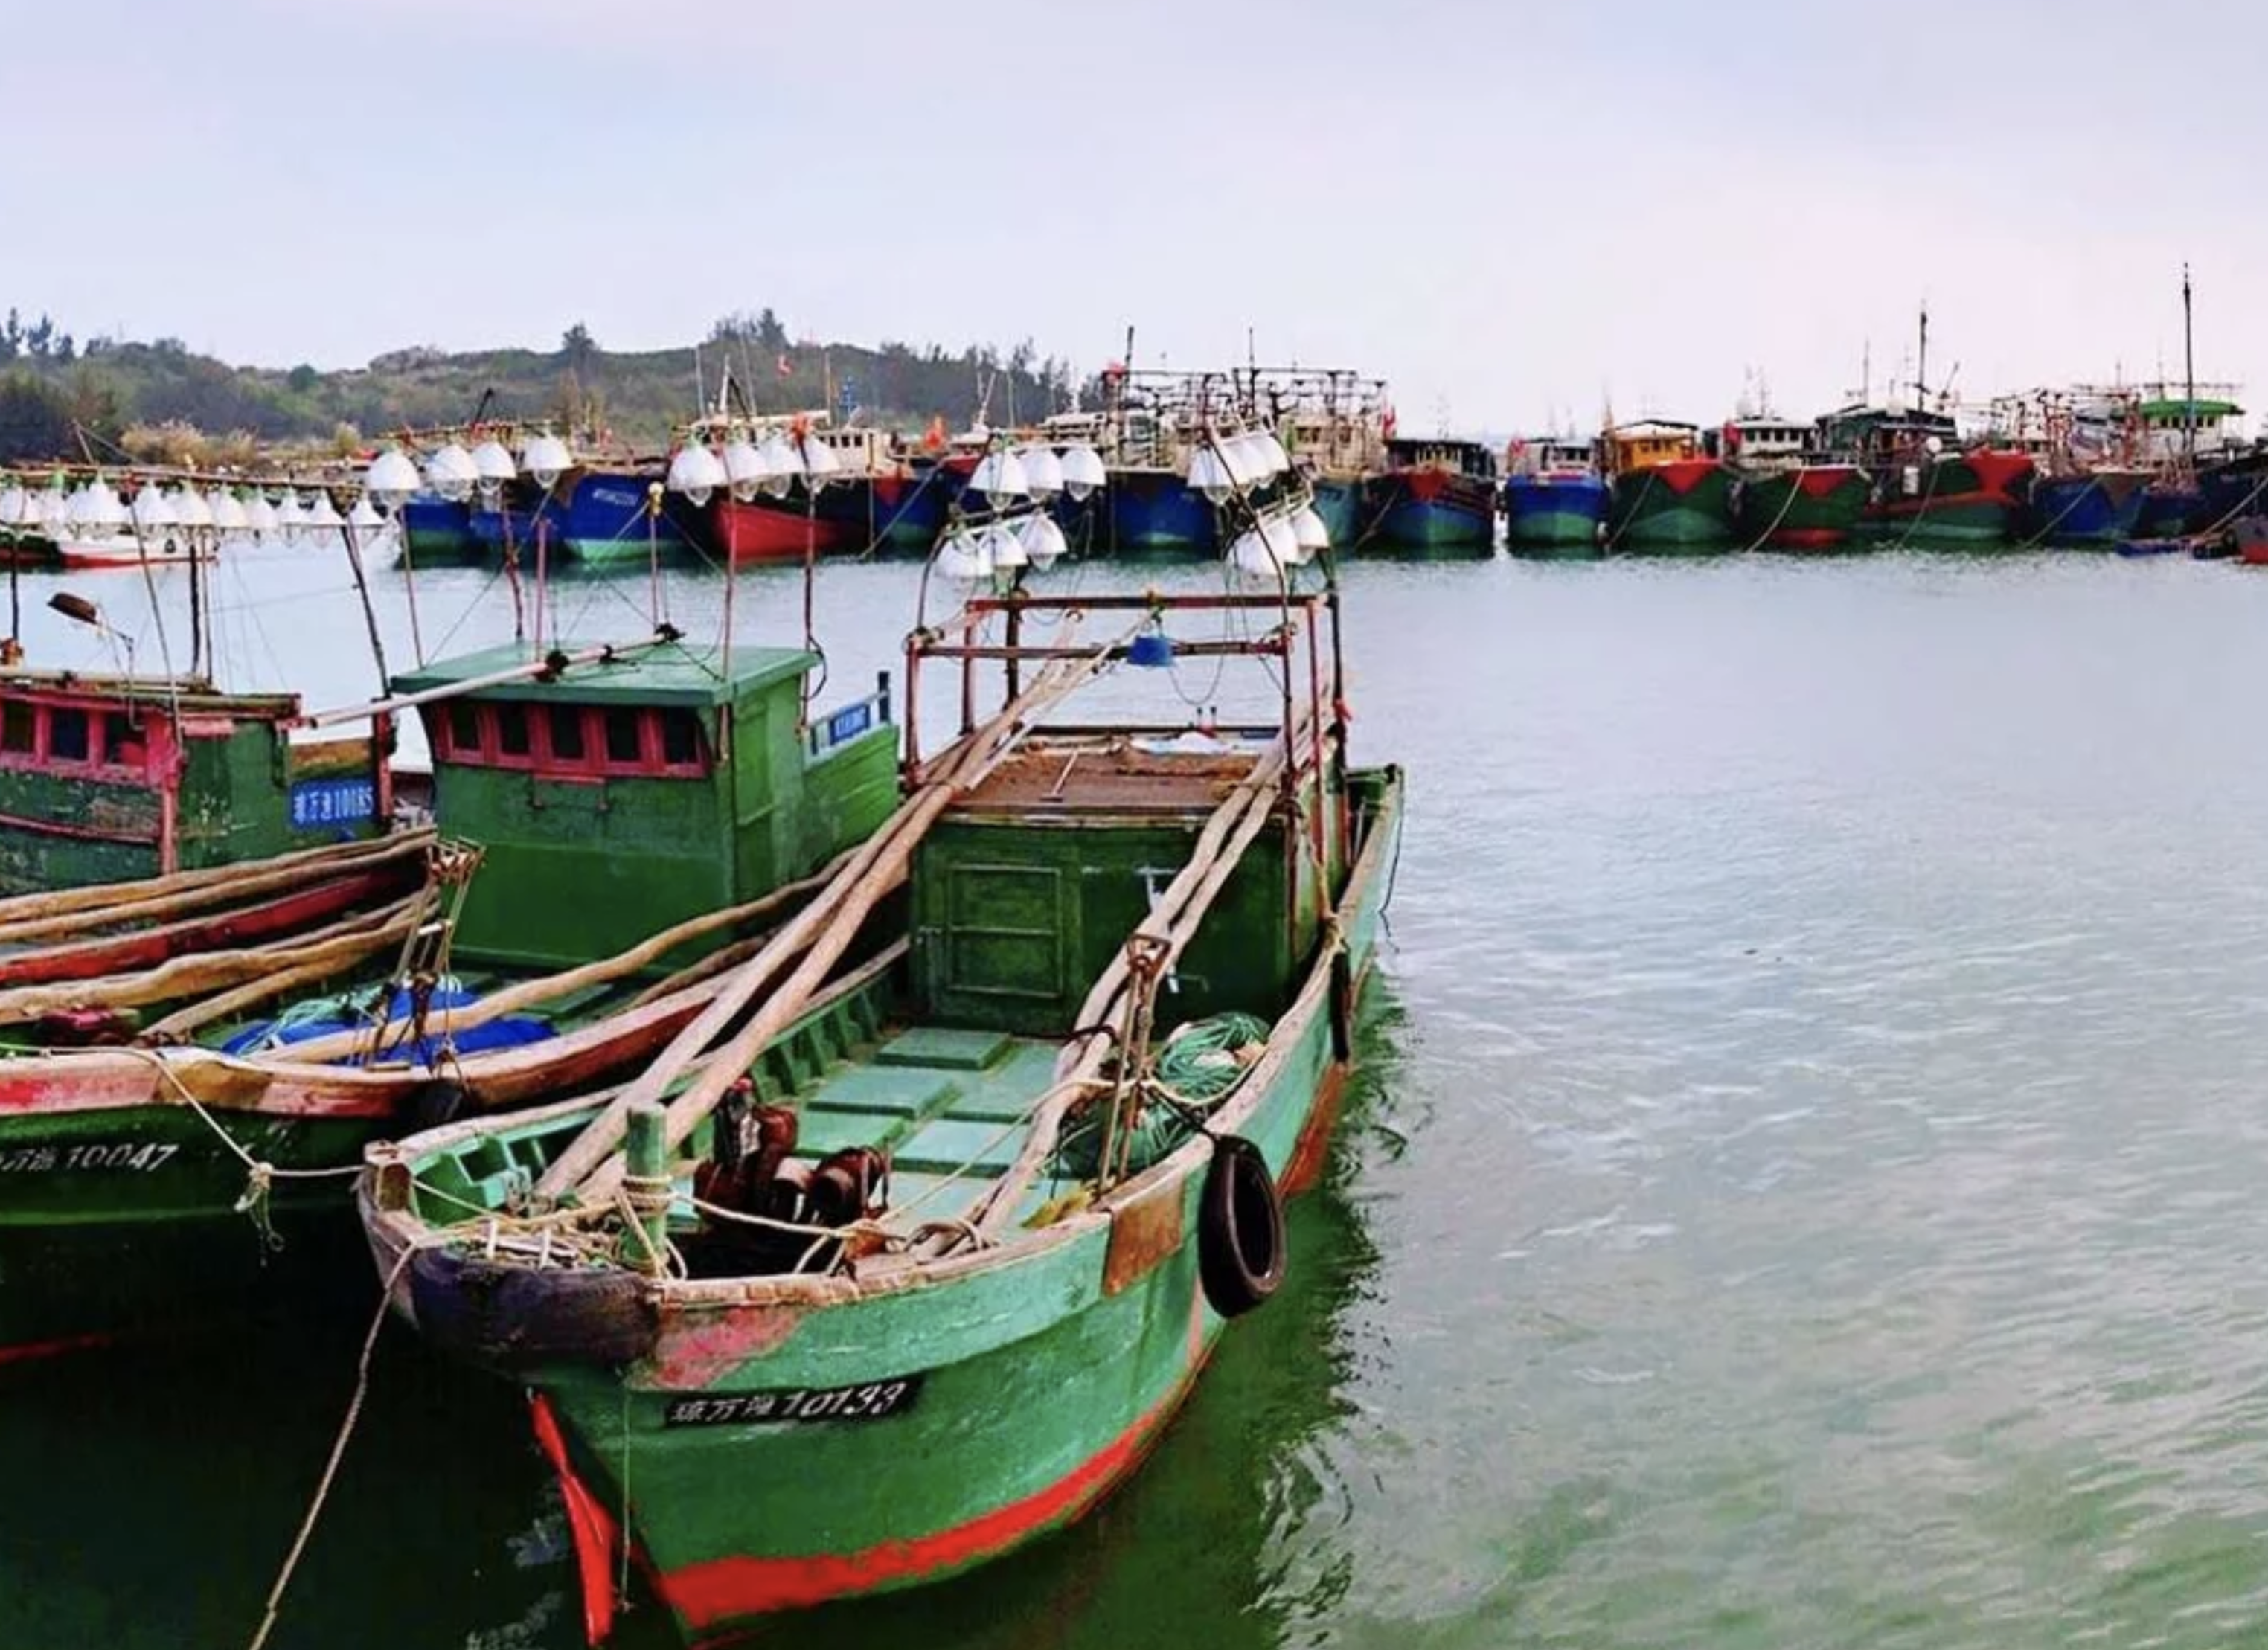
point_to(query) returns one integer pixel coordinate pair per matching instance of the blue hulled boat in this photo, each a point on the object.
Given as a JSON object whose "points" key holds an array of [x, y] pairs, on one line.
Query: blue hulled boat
{"points": [[1436, 494], [2098, 507], [1554, 500], [1152, 511], [591, 515]]}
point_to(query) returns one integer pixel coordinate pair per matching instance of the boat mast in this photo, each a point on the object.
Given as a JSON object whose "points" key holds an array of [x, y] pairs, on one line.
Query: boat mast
{"points": [[2189, 379], [1921, 361]]}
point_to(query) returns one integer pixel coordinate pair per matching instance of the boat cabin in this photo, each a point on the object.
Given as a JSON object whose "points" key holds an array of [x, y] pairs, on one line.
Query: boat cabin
{"points": [[1758, 443], [1648, 443], [2176, 427], [1551, 457], [1454, 456], [1886, 433], [616, 798], [112, 779]]}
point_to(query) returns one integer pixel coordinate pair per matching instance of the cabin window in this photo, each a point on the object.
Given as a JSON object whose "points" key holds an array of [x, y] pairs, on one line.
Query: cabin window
{"points": [[624, 743], [464, 729], [513, 742], [566, 731], [122, 741], [67, 734], [680, 739], [19, 727]]}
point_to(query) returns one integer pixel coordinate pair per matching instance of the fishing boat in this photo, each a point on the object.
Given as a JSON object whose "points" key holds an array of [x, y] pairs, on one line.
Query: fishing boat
{"points": [[1787, 496], [1436, 493], [1925, 485], [1554, 498], [1667, 493], [954, 1229]]}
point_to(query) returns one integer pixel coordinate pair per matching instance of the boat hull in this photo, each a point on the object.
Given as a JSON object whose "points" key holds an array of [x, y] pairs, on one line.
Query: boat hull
{"points": [[601, 519], [1555, 512], [1432, 510], [1338, 500], [1155, 512], [1973, 498], [1684, 505], [995, 1403], [436, 532], [2102, 508], [764, 531], [1811, 507]]}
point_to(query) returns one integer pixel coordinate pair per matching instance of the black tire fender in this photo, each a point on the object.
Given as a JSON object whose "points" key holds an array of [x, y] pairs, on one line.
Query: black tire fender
{"points": [[1240, 1229]]}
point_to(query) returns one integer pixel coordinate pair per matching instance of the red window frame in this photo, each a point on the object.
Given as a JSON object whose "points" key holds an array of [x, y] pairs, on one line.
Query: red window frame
{"points": [[652, 761], [99, 762]]}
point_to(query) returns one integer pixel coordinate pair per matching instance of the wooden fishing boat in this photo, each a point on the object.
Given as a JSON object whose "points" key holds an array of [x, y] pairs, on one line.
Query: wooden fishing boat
{"points": [[1667, 493], [952, 1233], [1435, 493], [641, 813]]}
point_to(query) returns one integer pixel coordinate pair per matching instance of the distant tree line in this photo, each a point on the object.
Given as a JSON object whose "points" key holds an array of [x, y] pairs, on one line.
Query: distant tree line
{"points": [[54, 391]]}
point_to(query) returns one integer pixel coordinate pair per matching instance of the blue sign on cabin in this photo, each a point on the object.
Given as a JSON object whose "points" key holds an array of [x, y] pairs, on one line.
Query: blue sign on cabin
{"points": [[317, 803], [850, 722]]}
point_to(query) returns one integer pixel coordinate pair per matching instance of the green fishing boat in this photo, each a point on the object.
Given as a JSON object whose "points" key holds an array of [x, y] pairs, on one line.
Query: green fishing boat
{"points": [[1665, 494], [949, 1231], [623, 816]]}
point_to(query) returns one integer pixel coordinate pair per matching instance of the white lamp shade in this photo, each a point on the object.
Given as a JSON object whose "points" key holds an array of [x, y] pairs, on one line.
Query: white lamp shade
{"points": [[1000, 475], [321, 512], [291, 514], [1043, 471], [452, 473], [260, 514], [696, 472], [821, 464], [1208, 474], [1246, 464], [1082, 472], [364, 517], [392, 480], [545, 459], [228, 512], [14, 504], [1273, 455], [191, 511], [1008, 551], [744, 468], [965, 555], [1043, 541], [153, 512], [780, 464], [1283, 541], [1310, 529], [492, 464], [1251, 554]]}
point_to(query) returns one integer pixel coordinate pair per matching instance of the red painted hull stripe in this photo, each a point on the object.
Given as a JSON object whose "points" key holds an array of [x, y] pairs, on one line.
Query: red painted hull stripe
{"points": [[591, 1526], [25, 1351], [727, 1589]]}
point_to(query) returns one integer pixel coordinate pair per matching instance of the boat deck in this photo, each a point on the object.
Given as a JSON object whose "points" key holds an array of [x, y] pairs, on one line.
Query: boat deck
{"points": [[1119, 775]]}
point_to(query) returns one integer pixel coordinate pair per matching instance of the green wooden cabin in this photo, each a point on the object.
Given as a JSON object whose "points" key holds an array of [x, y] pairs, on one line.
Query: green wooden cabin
{"points": [[108, 778], [616, 799]]}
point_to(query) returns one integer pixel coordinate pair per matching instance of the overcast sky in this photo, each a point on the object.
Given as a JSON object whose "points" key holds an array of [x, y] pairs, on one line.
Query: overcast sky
{"points": [[1512, 214]]}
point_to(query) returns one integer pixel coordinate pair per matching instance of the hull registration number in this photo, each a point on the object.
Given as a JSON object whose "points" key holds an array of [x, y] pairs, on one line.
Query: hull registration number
{"points": [[875, 1401]]}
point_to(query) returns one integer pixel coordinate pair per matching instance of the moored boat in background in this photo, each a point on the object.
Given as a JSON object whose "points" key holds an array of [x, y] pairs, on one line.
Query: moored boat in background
{"points": [[1554, 498], [1436, 493], [1666, 493]]}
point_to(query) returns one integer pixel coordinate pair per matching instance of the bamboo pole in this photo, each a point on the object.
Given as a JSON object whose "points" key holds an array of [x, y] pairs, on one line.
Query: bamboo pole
{"points": [[339, 1044], [823, 930], [212, 970], [24, 916], [176, 1027]]}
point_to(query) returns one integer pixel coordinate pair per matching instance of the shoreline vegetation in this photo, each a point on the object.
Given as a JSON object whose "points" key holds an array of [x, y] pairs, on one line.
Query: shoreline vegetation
{"points": [[158, 402]]}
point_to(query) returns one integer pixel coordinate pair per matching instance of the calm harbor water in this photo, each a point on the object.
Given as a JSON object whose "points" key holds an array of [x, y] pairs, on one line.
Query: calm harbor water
{"points": [[1802, 1188]]}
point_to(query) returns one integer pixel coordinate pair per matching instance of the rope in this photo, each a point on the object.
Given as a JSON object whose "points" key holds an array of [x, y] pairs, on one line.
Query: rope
{"points": [[338, 1451]]}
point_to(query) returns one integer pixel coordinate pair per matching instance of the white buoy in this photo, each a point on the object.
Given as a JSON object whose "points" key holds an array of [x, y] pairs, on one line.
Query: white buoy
{"points": [[696, 472], [1083, 474]]}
